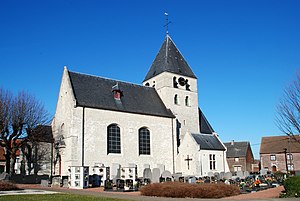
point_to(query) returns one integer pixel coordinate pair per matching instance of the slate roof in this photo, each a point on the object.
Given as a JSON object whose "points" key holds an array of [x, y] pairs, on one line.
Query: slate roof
{"points": [[169, 59], [96, 92], [205, 126], [42, 133], [276, 144], [237, 149], [208, 142]]}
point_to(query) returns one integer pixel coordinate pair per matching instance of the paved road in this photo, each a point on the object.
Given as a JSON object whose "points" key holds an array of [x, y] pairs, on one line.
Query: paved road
{"points": [[26, 191]]}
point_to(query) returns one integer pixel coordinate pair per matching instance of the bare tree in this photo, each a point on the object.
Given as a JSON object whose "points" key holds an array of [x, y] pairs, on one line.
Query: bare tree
{"points": [[18, 114], [288, 110]]}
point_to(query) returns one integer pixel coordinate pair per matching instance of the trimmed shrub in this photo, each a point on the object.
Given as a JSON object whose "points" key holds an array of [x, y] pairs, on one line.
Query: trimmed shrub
{"points": [[7, 186], [292, 187], [183, 190]]}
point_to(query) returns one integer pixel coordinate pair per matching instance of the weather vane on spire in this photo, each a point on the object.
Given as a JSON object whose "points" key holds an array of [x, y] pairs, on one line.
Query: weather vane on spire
{"points": [[167, 22]]}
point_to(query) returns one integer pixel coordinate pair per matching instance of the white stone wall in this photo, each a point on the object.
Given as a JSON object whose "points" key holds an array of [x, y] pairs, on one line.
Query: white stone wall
{"points": [[199, 165], [220, 161], [64, 126], [96, 123], [189, 148], [188, 116]]}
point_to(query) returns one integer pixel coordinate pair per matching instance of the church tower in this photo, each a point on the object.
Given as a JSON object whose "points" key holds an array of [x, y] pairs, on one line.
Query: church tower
{"points": [[176, 85]]}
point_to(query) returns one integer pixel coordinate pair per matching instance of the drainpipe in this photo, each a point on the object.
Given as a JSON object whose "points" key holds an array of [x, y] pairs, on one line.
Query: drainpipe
{"points": [[173, 146], [82, 143], [224, 161], [51, 164]]}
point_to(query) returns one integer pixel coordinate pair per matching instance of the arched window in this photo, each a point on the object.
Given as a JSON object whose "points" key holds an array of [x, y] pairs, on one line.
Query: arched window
{"points": [[176, 99], [113, 139], [144, 141], [175, 83], [187, 101]]}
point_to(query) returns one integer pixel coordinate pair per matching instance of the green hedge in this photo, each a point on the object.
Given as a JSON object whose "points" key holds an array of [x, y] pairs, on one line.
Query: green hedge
{"points": [[292, 186]]}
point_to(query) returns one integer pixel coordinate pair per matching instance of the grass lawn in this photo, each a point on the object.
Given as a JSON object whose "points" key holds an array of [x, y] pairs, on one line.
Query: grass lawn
{"points": [[55, 197]]}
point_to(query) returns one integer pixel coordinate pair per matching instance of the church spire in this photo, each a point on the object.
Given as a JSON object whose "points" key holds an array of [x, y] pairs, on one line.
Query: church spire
{"points": [[169, 59]]}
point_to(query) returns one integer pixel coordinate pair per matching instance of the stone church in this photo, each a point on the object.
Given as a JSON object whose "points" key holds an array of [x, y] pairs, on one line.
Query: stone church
{"points": [[158, 124]]}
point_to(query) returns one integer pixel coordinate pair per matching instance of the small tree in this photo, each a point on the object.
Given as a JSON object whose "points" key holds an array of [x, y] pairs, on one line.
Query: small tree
{"points": [[17, 115], [288, 110]]}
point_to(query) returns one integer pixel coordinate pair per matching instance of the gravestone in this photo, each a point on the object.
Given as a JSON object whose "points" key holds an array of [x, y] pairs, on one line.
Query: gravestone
{"points": [[217, 176], [181, 179], [161, 167], [120, 184], [191, 179], [114, 171], [263, 171], [246, 174], [176, 176], [166, 174], [155, 175], [128, 185], [147, 174], [228, 175], [210, 174], [108, 185], [56, 181], [65, 183], [240, 174], [221, 175], [45, 182]]}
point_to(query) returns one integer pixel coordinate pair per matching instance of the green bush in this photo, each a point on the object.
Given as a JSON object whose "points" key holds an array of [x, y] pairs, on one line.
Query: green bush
{"points": [[292, 186], [183, 190]]}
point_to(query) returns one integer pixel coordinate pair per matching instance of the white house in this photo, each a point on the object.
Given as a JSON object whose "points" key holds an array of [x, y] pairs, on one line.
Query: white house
{"points": [[154, 125]]}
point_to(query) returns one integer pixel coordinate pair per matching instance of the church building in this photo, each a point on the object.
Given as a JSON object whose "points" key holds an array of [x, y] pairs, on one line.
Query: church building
{"points": [[156, 125]]}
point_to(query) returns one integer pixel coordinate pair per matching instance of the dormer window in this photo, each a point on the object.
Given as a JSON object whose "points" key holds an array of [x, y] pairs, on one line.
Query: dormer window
{"points": [[117, 92]]}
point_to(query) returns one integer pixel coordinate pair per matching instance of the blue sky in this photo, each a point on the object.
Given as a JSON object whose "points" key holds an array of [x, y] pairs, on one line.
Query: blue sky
{"points": [[244, 52]]}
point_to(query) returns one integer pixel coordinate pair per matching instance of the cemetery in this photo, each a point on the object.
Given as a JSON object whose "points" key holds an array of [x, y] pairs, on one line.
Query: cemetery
{"points": [[126, 179]]}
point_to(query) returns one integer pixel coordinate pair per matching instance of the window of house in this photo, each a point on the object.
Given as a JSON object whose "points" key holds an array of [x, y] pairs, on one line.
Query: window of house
{"points": [[289, 157], [113, 139], [176, 99], [273, 157], [212, 161], [144, 141], [237, 168], [236, 159], [290, 167], [187, 101]]}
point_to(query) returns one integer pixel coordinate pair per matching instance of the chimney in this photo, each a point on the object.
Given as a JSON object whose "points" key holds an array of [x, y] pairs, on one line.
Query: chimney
{"points": [[232, 142]]}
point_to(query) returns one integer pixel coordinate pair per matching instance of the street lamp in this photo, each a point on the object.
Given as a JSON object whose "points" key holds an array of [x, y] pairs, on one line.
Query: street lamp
{"points": [[286, 164]]}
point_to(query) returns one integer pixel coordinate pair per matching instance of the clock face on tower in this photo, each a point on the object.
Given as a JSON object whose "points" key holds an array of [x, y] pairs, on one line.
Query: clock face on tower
{"points": [[181, 81]]}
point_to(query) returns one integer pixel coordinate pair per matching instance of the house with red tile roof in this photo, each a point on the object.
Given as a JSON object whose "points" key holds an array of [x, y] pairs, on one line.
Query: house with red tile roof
{"points": [[280, 153]]}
